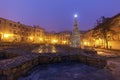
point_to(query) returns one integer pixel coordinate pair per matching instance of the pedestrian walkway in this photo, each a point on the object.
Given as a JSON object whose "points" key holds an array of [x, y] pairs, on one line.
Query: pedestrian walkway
{"points": [[67, 71], [108, 52], [113, 65]]}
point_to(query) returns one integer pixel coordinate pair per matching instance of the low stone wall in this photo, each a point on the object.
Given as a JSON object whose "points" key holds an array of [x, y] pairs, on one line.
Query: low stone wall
{"points": [[91, 60], [7, 55], [11, 69]]}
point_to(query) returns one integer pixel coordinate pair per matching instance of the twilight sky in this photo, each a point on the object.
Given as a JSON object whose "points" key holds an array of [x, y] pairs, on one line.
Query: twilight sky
{"points": [[58, 15]]}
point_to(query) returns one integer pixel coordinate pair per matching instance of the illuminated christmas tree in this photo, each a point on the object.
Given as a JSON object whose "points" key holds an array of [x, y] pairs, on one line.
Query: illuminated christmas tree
{"points": [[75, 38]]}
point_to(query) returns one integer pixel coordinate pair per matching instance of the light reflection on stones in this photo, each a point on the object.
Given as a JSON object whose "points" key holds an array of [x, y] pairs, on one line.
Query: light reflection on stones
{"points": [[40, 51], [54, 50], [45, 49]]}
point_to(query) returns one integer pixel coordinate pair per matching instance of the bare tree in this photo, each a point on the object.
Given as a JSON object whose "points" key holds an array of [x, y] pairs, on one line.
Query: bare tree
{"points": [[102, 29]]}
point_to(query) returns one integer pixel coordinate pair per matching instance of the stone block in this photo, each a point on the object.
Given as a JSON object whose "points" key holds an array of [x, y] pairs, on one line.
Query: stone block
{"points": [[73, 57], [55, 59], [65, 58], [24, 65], [44, 59], [14, 70], [59, 59], [82, 58], [90, 52], [35, 61], [7, 71]]}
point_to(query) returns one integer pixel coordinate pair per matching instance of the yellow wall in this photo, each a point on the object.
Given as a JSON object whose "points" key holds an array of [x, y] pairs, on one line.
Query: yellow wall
{"points": [[114, 44]]}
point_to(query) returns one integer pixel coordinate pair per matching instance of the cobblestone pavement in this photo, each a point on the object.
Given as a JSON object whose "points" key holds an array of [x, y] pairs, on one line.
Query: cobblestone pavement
{"points": [[108, 53], [114, 67], [113, 62]]}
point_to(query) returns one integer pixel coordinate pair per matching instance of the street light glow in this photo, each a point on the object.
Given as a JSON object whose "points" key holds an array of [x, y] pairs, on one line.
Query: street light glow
{"points": [[31, 38], [85, 43], [41, 39], [64, 42], [6, 35], [54, 41]]}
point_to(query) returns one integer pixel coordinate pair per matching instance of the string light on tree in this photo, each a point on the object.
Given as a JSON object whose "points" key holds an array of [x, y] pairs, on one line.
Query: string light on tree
{"points": [[75, 38]]}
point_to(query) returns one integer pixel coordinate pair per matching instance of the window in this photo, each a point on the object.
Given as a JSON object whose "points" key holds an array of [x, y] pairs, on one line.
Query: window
{"points": [[11, 31], [14, 32], [0, 21], [18, 26], [10, 24], [14, 25]]}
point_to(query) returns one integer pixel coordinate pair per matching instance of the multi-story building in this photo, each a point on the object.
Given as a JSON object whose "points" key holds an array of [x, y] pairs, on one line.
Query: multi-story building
{"points": [[38, 34], [64, 37], [113, 37], [51, 38], [26, 33], [11, 31], [114, 40]]}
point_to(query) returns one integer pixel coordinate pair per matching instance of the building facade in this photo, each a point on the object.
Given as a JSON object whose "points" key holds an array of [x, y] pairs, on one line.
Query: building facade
{"points": [[64, 37], [11, 31], [113, 37]]}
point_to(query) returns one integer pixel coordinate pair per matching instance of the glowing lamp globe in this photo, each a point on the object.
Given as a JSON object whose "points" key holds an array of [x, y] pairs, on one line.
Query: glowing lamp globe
{"points": [[75, 15]]}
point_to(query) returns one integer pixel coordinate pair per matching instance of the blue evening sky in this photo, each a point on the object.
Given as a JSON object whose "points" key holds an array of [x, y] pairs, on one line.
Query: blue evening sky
{"points": [[58, 15]]}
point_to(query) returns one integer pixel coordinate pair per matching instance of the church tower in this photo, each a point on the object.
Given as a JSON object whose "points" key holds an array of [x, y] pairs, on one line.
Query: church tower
{"points": [[75, 38]]}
